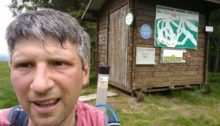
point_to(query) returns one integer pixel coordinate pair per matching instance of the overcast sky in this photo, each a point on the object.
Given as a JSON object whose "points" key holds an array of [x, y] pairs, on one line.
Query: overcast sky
{"points": [[6, 18]]}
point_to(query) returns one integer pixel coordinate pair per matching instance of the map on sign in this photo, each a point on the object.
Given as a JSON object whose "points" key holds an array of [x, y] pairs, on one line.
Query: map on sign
{"points": [[176, 28]]}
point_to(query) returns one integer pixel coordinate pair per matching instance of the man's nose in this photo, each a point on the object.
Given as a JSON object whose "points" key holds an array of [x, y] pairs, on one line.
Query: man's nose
{"points": [[42, 82]]}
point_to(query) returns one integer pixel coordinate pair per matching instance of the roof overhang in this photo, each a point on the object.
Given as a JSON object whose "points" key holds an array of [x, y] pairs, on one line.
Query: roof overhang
{"points": [[212, 4], [213, 1], [94, 7]]}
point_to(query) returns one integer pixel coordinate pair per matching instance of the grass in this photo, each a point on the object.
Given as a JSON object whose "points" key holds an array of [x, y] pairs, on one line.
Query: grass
{"points": [[175, 108], [7, 95], [180, 108], [188, 107]]}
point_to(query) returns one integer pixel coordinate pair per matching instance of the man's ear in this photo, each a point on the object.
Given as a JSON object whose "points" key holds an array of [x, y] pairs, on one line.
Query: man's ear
{"points": [[86, 72]]}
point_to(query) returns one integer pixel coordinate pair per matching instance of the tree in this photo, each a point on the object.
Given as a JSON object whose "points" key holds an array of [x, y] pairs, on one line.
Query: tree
{"points": [[73, 7], [214, 44]]}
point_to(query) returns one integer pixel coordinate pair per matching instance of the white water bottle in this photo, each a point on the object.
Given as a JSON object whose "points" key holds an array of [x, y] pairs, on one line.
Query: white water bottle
{"points": [[102, 86]]}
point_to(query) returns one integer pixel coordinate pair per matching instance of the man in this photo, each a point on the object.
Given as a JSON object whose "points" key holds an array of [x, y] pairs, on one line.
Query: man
{"points": [[49, 62]]}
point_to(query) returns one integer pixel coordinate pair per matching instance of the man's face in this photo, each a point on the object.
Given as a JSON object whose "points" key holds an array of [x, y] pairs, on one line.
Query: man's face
{"points": [[47, 79]]}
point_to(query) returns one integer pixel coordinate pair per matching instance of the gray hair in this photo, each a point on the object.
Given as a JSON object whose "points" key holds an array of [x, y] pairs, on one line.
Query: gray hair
{"points": [[48, 22]]}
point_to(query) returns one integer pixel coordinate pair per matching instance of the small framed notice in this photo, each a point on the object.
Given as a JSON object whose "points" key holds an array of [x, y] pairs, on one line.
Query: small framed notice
{"points": [[145, 56], [174, 55]]}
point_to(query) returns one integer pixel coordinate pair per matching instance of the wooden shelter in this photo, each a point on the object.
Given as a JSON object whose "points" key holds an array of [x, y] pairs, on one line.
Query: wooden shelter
{"points": [[163, 46]]}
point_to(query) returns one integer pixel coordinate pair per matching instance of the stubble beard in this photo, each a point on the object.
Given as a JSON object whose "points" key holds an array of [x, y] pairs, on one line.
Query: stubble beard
{"points": [[62, 117]]}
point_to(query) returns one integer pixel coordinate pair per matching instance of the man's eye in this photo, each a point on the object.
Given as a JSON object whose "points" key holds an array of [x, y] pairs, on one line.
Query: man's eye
{"points": [[58, 63], [25, 65]]}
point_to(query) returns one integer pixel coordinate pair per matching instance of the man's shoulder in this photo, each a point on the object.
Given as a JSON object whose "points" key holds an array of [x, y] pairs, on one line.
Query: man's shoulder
{"points": [[4, 116], [5, 111], [14, 115], [84, 107], [89, 115]]}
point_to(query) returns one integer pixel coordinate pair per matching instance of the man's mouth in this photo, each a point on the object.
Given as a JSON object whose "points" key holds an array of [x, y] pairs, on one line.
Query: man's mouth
{"points": [[47, 103]]}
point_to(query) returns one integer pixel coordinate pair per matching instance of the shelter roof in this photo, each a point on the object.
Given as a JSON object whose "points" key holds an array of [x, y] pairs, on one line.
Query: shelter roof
{"points": [[94, 7]]}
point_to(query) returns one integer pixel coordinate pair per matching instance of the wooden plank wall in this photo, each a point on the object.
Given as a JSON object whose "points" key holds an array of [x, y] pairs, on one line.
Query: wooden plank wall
{"points": [[102, 37], [162, 75], [103, 29]]}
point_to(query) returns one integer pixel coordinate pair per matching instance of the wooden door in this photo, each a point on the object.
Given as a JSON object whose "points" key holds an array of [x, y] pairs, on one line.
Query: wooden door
{"points": [[117, 46]]}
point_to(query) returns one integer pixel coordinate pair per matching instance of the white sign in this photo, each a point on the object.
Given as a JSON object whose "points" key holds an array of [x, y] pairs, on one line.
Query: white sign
{"points": [[145, 56], [209, 28], [129, 19]]}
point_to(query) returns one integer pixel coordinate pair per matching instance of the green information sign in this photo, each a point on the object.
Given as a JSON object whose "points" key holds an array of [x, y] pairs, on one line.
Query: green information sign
{"points": [[176, 28]]}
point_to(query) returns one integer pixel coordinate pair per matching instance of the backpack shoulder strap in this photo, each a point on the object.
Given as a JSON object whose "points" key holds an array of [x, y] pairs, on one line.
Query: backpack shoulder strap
{"points": [[18, 117], [112, 118]]}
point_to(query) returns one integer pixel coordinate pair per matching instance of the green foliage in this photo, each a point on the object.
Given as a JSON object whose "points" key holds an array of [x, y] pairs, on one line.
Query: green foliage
{"points": [[214, 77], [214, 82], [73, 7], [92, 77], [215, 17]]}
